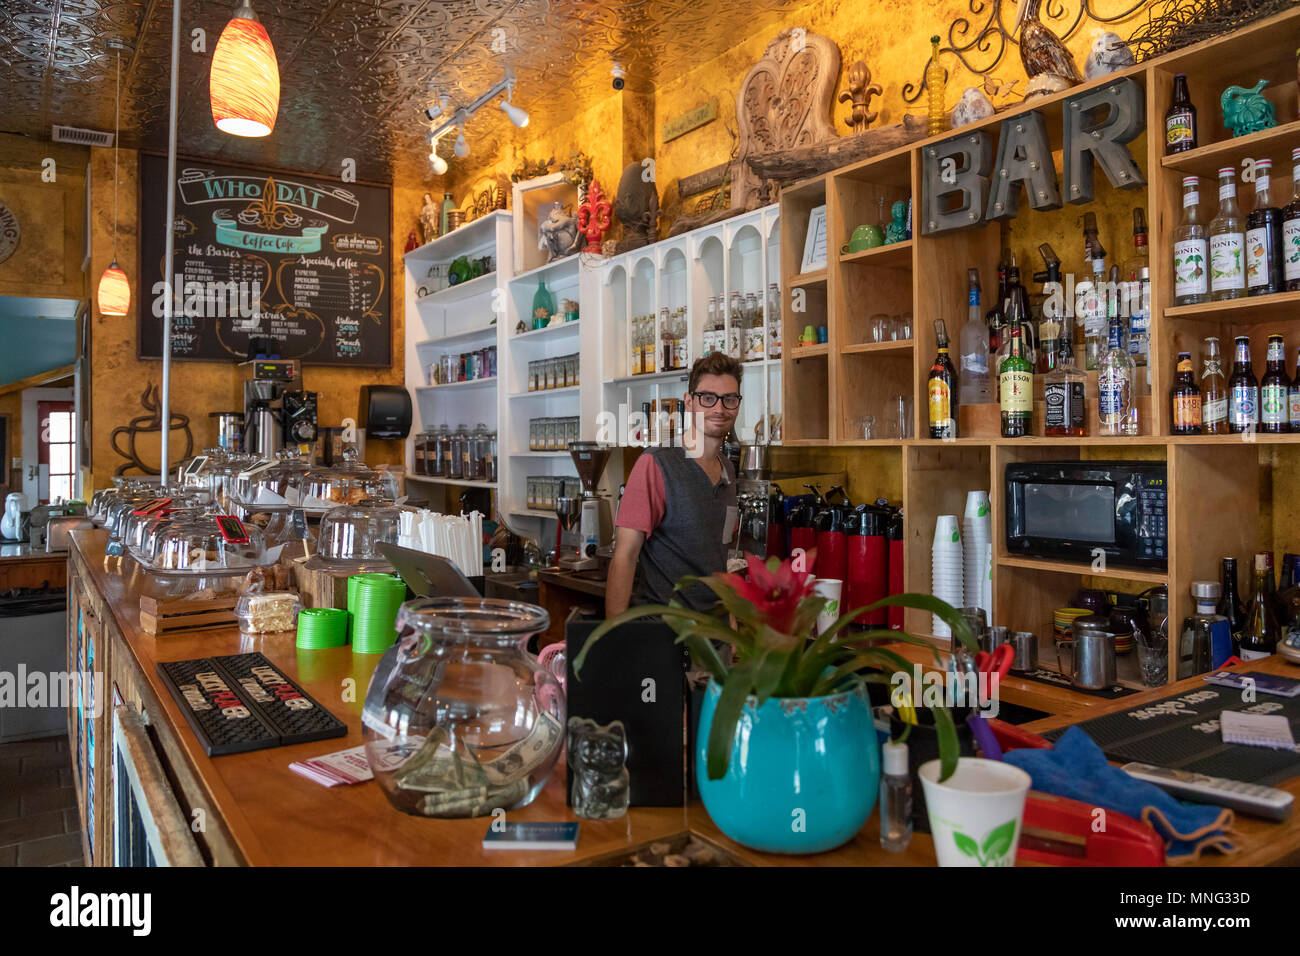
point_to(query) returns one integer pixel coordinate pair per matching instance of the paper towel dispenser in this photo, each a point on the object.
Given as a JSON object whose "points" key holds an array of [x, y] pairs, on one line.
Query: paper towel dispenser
{"points": [[385, 411]]}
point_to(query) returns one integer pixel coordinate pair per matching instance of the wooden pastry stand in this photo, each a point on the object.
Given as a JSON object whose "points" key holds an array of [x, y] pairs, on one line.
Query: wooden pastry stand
{"points": [[252, 809]]}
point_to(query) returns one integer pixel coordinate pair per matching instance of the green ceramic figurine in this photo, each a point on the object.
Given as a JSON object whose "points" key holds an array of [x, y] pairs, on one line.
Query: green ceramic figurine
{"points": [[896, 231], [1246, 110]]}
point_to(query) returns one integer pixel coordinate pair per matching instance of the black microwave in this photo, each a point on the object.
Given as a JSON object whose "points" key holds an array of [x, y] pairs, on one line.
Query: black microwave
{"points": [[1088, 510]]}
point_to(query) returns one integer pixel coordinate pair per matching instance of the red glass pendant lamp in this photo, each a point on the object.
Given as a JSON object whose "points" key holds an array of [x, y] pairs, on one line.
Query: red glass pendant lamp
{"points": [[245, 81]]}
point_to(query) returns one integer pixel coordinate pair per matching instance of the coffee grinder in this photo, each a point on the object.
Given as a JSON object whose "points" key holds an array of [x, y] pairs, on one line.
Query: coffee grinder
{"points": [[592, 511]]}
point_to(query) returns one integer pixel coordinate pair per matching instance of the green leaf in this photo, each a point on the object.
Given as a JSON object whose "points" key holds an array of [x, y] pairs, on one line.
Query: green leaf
{"points": [[965, 844], [949, 614], [998, 842], [726, 716], [949, 747], [767, 675]]}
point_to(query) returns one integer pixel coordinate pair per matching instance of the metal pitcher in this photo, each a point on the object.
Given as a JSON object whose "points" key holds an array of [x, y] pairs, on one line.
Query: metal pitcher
{"points": [[1092, 653]]}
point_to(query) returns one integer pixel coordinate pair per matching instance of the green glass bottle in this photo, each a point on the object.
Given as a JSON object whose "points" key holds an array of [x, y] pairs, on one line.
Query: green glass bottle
{"points": [[543, 306], [1016, 389]]}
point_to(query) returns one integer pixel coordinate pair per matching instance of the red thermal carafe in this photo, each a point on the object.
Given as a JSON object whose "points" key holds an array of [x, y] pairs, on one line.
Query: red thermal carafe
{"points": [[895, 565], [802, 535], [832, 548], [776, 544], [867, 573]]}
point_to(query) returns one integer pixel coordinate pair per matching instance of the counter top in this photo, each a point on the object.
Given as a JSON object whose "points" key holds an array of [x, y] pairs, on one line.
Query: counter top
{"points": [[276, 817], [572, 581]]}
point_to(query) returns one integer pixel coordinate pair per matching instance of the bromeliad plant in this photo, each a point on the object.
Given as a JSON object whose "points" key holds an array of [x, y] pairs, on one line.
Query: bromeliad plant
{"points": [[767, 620]]}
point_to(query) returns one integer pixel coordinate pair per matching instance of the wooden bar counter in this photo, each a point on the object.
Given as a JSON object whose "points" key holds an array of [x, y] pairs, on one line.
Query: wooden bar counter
{"points": [[251, 809]]}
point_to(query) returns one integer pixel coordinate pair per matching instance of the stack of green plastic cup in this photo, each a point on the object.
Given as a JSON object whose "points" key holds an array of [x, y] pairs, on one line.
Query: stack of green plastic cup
{"points": [[373, 602], [322, 627]]}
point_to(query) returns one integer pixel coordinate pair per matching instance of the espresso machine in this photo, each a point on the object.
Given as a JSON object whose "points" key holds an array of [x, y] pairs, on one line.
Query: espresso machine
{"points": [[590, 513]]}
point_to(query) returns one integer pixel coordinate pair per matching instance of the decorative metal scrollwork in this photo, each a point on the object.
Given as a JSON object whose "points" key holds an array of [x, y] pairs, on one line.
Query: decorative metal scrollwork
{"points": [[980, 51]]}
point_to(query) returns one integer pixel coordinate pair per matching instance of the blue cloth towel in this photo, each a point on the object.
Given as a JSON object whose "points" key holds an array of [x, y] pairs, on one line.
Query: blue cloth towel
{"points": [[1076, 768]]}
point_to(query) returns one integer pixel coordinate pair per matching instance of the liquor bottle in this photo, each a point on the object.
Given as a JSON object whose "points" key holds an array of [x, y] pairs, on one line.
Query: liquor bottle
{"points": [[1137, 275], [1230, 605], [1273, 390], [1291, 229], [753, 344], [1089, 294], [973, 383], [935, 76], [1180, 120], [1260, 632], [1185, 398], [1243, 391], [1016, 387], [1191, 249], [1206, 640], [1227, 235], [1016, 312], [1263, 238], [735, 324], [1293, 398], [773, 321], [942, 388], [1116, 395], [667, 351], [707, 340], [1214, 391], [1053, 309], [994, 318], [1065, 412]]}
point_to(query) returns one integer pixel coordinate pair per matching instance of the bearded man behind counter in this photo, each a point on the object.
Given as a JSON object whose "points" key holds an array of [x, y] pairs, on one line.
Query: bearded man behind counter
{"points": [[678, 513]]}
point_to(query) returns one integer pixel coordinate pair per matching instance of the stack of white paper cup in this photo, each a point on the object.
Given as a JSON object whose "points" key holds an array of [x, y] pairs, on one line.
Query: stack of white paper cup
{"points": [[977, 538], [946, 575]]}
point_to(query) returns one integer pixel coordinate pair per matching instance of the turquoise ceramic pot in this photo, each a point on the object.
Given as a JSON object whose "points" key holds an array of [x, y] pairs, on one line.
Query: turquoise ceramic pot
{"points": [[803, 776]]}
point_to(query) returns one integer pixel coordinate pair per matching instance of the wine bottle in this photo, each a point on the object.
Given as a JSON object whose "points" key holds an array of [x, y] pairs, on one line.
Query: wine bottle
{"points": [[1260, 632]]}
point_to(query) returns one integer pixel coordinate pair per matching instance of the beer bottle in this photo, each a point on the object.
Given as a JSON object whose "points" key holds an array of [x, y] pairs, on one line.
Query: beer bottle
{"points": [[1185, 398], [1273, 390], [1243, 391]]}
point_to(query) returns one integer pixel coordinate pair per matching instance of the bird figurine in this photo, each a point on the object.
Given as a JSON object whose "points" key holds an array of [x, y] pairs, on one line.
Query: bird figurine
{"points": [[1048, 64], [1108, 54]]}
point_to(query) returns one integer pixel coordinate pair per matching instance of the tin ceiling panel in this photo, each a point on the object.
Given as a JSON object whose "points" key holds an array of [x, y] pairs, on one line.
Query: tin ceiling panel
{"points": [[355, 75]]}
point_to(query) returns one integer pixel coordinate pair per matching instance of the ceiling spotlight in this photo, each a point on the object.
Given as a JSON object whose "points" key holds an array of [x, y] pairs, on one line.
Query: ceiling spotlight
{"points": [[517, 116], [438, 163], [461, 149]]}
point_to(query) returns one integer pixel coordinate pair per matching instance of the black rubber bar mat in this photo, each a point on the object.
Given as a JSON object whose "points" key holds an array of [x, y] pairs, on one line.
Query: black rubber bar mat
{"points": [[1044, 676], [1182, 731], [244, 702]]}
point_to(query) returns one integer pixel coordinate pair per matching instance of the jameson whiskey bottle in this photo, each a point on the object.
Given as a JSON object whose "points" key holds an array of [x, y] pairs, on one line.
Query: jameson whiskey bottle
{"points": [[1180, 120], [1214, 391], [1273, 390], [1227, 236], [1291, 229], [1185, 398], [1065, 413], [1260, 632], [1016, 388], [1191, 249], [1243, 391], [942, 388], [1263, 238]]}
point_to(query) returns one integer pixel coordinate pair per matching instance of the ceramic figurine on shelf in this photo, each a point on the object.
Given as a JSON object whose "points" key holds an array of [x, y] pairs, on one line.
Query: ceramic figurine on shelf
{"points": [[412, 242], [593, 218], [428, 219], [859, 93], [1246, 110], [598, 757], [896, 231], [557, 232], [1108, 54], [1047, 62], [972, 107]]}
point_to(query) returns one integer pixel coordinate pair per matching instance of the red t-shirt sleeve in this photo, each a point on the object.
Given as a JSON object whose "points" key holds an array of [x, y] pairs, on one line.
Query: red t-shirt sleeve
{"points": [[644, 500]]}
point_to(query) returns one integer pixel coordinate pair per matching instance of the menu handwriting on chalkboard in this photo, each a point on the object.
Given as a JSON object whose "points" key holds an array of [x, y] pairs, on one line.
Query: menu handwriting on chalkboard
{"points": [[295, 259]]}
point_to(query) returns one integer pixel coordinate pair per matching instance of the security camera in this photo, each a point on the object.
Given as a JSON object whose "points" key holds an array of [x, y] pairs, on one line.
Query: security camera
{"points": [[619, 74]]}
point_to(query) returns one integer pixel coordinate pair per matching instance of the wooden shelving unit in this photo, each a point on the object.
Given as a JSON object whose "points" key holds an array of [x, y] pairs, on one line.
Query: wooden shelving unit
{"points": [[1228, 495]]}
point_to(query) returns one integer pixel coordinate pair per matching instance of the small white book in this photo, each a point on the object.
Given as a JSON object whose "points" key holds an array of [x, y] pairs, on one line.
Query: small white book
{"points": [[1256, 730]]}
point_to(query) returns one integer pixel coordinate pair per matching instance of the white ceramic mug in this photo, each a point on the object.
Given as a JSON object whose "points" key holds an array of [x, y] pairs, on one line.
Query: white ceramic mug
{"points": [[976, 814]]}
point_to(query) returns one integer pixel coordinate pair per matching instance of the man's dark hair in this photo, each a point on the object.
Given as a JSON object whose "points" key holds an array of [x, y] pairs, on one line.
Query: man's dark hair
{"points": [[715, 363]]}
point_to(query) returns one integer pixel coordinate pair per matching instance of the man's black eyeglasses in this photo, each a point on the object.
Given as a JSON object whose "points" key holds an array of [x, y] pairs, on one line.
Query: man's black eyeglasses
{"points": [[730, 401]]}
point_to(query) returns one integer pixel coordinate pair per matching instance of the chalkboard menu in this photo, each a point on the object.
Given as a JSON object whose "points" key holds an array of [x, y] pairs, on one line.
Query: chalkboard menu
{"points": [[301, 261]]}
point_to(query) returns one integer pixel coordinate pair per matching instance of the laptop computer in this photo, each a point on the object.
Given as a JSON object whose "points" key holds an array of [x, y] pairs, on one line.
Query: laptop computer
{"points": [[636, 674], [428, 575]]}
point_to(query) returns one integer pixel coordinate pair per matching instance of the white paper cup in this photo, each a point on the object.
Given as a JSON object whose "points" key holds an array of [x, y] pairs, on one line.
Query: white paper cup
{"points": [[833, 589], [977, 504], [977, 813], [946, 531]]}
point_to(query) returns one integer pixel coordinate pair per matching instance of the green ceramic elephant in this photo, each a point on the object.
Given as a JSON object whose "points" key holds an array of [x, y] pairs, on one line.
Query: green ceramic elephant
{"points": [[1246, 110]]}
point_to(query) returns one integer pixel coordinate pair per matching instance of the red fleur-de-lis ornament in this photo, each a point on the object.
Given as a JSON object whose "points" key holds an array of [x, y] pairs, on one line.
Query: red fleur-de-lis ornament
{"points": [[593, 218]]}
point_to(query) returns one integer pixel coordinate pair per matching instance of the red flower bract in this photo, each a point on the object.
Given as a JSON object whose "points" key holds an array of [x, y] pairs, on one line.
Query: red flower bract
{"points": [[774, 594]]}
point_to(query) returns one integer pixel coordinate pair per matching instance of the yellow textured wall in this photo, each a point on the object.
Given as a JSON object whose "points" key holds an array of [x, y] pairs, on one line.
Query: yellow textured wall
{"points": [[197, 388], [51, 215]]}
